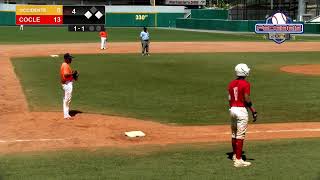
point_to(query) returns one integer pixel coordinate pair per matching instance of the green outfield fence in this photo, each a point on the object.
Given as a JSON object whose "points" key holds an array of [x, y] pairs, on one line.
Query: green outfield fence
{"points": [[232, 25], [217, 24], [209, 14], [7, 18], [142, 19], [312, 28]]}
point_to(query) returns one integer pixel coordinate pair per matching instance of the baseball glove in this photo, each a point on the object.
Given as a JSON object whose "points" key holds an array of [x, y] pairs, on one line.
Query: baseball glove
{"points": [[75, 75], [255, 116]]}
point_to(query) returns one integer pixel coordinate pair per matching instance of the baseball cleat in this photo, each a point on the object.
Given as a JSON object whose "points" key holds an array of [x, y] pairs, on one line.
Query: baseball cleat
{"points": [[234, 157], [67, 117], [241, 163]]}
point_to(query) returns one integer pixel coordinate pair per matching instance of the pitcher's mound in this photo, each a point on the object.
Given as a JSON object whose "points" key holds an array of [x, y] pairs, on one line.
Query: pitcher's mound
{"points": [[309, 69]]}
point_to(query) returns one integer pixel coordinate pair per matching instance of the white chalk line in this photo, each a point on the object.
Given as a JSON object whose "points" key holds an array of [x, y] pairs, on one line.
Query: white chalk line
{"points": [[266, 131], [222, 133], [286, 130], [257, 132], [30, 140]]}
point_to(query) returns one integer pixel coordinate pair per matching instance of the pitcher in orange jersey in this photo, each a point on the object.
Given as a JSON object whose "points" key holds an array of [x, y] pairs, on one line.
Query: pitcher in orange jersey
{"points": [[103, 36], [66, 75]]}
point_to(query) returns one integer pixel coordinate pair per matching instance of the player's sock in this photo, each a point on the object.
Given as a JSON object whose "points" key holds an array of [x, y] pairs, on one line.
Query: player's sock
{"points": [[234, 145], [239, 145]]}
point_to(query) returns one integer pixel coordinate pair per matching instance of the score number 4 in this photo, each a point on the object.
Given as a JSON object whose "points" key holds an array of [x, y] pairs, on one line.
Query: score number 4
{"points": [[141, 17], [58, 19]]}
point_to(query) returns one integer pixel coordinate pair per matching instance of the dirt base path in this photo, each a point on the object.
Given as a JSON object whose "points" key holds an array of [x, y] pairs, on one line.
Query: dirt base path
{"points": [[307, 69], [156, 47], [22, 130]]}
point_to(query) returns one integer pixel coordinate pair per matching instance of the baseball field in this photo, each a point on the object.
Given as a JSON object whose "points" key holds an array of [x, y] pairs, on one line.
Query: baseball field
{"points": [[177, 96]]}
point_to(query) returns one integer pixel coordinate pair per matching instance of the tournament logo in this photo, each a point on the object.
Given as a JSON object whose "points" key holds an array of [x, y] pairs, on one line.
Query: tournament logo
{"points": [[279, 27]]}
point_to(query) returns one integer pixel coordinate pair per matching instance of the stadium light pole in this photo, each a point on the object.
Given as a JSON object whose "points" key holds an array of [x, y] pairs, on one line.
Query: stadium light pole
{"points": [[153, 2], [301, 10], [156, 14]]}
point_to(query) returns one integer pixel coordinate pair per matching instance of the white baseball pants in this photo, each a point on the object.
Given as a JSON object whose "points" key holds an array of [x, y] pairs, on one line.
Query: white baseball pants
{"points": [[239, 122], [103, 43], [67, 87]]}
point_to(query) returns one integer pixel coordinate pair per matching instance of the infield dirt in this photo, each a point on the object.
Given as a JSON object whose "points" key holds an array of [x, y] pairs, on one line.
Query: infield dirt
{"points": [[22, 130], [307, 69]]}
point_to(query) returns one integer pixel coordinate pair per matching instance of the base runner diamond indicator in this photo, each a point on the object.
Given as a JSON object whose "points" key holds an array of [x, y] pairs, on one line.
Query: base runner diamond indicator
{"points": [[98, 14], [93, 10], [88, 14]]}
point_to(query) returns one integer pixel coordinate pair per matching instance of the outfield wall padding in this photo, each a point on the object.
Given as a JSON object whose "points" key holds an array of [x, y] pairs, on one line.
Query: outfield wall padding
{"points": [[168, 19], [142, 19], [209, 14], [7, 18], [312, 28], [217, 24], [232, 25], [129, 19]]}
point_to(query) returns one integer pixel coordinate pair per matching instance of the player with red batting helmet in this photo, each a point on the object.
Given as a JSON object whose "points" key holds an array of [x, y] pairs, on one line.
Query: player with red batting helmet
{"points": [[239, 100]]}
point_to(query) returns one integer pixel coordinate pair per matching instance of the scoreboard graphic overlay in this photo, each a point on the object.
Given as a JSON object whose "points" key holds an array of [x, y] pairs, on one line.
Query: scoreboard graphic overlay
{"points": [[41, 15], [78, 18]]}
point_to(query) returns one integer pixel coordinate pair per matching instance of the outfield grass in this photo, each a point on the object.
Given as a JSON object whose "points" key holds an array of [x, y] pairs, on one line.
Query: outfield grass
{"points": [[34, 35], [277, 159], [175, 88]]}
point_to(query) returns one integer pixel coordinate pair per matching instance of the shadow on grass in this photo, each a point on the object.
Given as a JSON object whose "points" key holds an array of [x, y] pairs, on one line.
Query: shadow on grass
{"points": [[244, 157]]}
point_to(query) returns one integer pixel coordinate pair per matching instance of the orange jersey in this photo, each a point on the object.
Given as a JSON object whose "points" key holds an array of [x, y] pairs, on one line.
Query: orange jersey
{"points": [[65, 69], [103, 34]]}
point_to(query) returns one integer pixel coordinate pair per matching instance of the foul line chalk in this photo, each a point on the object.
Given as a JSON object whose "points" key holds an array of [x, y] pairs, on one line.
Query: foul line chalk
{"points": [[287, 130], [30, 140], [54, 55], [266, 131], [222, 133]]}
